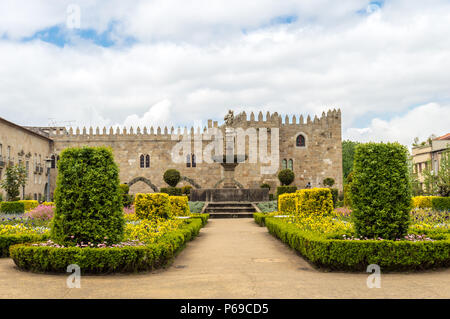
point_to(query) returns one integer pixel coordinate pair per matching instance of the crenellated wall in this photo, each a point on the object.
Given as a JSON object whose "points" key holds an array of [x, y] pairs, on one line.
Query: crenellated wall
{"points": [[320, 158]]}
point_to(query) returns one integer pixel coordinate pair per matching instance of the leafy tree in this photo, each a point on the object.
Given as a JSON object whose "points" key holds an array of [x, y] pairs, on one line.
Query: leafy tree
{"points": [[438, 183], [16, 177], [286, 176], [348, 152], [172, 177], [415, 183]]}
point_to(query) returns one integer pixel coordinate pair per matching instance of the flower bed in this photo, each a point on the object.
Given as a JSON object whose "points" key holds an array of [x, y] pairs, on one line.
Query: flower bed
{"points": [[356, 255], [129, 258]]}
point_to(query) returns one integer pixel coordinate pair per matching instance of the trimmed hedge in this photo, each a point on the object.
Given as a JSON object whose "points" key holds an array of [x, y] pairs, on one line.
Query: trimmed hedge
{"points": [[441, 203], [356, 255], [179, 205], [12, 207], [29, 204], [381, 190], [106, 260], [88, 198], [172, 191], [260, 218], [288, 203], [314, 201], [9, 240], [286, 176], [286, 190], [203, 217], [152, 205]]}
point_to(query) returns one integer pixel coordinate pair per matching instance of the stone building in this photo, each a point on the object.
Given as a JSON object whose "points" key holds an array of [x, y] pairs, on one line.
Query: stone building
{"points": [[428, 156], [311, 148]]}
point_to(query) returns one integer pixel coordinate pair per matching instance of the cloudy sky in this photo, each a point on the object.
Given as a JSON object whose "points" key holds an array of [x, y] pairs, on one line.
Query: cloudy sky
{"points": [[386, 64]]}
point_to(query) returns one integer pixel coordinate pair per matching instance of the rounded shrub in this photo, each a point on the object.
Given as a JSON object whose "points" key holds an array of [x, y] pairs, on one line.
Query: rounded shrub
{"points": [[88, 198], [286, 176], [265, 185], [381, 190], [172, 177], [328, 182]]}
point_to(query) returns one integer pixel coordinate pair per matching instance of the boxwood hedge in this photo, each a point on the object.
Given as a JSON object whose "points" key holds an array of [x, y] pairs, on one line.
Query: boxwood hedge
{"points": [[356, 255], [106, 260], [9, 240]]}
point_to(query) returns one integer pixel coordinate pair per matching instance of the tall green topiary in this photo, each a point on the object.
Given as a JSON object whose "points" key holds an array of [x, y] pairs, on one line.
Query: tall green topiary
{"points": [[88, 198], [381, 190]]}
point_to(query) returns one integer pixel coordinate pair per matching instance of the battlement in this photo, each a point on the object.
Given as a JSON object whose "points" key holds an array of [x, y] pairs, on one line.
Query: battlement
{"points": [[166, 133]]}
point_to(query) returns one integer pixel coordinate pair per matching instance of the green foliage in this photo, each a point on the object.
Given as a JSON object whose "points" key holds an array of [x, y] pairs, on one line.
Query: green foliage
{"points": [[152, 206], [440, 203], [347, 190], [172, 191], [196, 207], [381, 191], [15, 178], [348, 152], [106, 260], [335, 195], [265, 185], [186, 190], [329, 182], [12, 207], [356, 255], [260, 218], [203, 217], [7, 241], [179, 205], [29, 204], [315, 201], [172, 177], [88, 198], [288, 203], [285, 190], [268, 207], [286, 176]]}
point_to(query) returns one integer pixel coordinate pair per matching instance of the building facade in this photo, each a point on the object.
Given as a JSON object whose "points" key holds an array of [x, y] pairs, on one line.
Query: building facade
{"points": [[428, 156], [310, 147]]}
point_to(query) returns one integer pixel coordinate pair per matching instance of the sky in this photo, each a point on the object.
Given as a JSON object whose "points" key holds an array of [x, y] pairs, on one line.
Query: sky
{"points": [[385, 64]]}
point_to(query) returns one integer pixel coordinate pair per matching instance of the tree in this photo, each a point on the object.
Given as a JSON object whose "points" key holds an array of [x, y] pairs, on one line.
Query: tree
{"points": [[348, 152], [172, 177], [286, 176], [16, 177], [438, 183]]}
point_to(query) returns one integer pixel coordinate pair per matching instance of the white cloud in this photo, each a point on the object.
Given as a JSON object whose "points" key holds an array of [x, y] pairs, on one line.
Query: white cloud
{"points": [[421, 122], [197, 57]]}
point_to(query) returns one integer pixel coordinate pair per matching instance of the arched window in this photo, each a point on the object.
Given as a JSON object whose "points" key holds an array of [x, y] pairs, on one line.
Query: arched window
{"points": [[142, 161], [188, 160], [300, 141], [291, 165], [284, 164], [147, 160], [194, 164], [53, 158]]}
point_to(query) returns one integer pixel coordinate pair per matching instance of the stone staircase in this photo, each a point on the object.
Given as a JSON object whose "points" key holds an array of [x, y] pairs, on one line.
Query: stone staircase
{"points": [[230, 209]]}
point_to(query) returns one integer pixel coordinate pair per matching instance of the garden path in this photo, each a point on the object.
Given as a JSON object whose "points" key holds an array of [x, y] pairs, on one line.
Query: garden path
{"points": [[231, 258]]}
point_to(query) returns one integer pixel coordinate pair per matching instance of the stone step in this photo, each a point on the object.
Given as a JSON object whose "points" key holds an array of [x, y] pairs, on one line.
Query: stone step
{"points": [[230, 210], [231, 215], [230, 204]]}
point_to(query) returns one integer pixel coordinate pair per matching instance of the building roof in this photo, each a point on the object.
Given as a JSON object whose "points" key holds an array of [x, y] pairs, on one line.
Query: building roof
{"points": [[443, 137], [32, 132]]}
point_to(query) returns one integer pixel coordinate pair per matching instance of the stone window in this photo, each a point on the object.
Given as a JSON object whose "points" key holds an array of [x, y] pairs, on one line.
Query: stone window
{"points": [[194, 163], [142, 161], [291, 164], [300, 141], [284, 164], [53, 161], [147, 161], [188, 160]]}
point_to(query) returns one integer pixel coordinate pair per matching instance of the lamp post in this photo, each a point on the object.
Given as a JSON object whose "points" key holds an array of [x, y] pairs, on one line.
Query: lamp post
{"points": [[48, 163]]}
